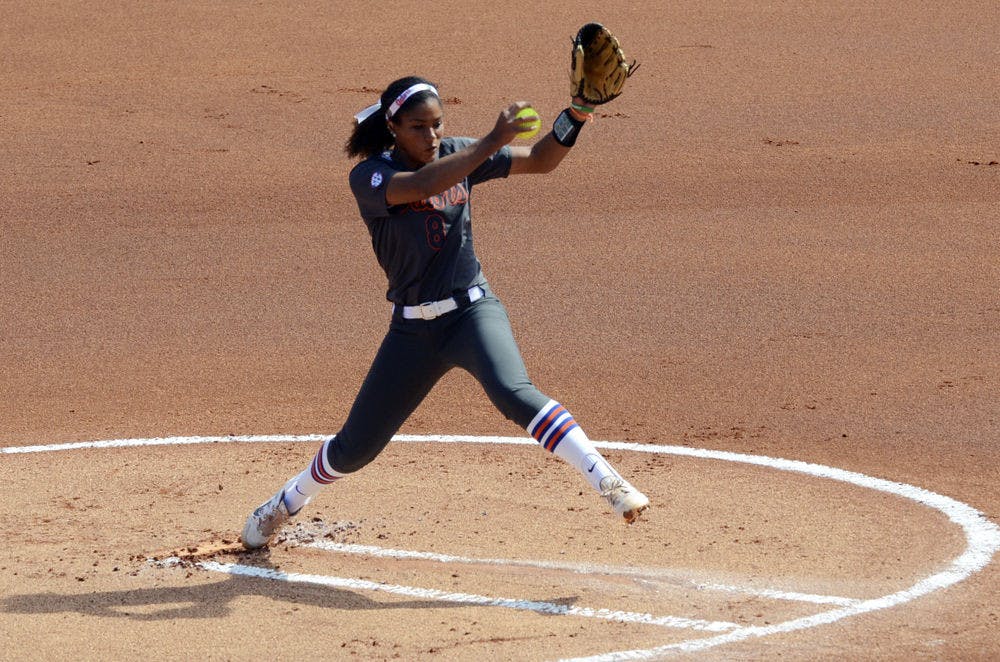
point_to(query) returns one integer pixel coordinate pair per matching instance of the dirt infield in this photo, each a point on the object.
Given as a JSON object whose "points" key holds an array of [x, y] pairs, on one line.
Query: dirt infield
{"points": [[782, 242]]}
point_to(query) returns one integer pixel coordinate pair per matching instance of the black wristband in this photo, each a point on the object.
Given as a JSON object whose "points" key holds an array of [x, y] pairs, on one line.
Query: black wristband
{"points": [[566, 128]]}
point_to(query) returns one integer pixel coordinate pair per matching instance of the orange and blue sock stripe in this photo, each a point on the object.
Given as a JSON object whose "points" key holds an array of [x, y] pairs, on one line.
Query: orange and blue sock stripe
{"points": [[551, 425], [320, 472]]}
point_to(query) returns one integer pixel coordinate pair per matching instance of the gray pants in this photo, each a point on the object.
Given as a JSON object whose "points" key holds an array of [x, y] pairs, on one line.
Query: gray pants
{"points": [[414, 355]]}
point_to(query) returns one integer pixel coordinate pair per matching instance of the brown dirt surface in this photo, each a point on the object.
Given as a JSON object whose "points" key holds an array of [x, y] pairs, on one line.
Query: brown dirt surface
{"points": [[781, 241]]}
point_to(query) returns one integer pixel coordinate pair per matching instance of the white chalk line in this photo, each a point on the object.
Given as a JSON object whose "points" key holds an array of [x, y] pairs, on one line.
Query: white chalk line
{"points": [[161, 441], [982, 535], [581, 568], [537, 606]]}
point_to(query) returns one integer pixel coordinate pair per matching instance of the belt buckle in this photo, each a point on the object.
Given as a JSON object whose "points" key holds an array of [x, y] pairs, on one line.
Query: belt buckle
{"points": [[428, 310]]}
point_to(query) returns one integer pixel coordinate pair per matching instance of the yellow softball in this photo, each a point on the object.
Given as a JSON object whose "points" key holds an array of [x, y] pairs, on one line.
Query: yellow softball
{"points": [[535, 126]]}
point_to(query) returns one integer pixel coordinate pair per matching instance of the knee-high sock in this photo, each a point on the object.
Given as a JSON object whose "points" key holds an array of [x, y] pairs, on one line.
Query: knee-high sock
{"points": [[303, 487], [556, 430]]}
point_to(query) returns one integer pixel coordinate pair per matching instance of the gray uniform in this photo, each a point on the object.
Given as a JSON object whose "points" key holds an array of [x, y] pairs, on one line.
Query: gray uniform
{"points": [[427, 253], [425, 247]]}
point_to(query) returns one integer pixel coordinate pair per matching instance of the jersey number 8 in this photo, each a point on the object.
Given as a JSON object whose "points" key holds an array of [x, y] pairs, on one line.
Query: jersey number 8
{"points": [[434, 225]]}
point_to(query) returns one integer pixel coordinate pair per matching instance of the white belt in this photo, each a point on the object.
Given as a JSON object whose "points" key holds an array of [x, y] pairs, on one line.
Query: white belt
{"points": [[433, 309]]}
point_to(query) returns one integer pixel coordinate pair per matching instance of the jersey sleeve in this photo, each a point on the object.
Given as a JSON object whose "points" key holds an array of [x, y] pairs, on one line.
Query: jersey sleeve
{"points": [[369, 180], [495, 167]]}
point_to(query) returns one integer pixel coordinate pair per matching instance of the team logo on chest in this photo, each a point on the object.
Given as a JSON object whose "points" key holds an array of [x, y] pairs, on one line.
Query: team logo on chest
{"points": [[456, 195]]}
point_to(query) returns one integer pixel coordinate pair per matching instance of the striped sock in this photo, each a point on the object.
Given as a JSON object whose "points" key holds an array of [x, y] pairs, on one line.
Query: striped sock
{"points": [[301, 489], [558, 432]]}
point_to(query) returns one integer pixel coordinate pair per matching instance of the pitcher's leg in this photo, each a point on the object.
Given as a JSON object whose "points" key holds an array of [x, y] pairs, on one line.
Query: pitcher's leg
{"points": [[403, 372], [482, 343], [488, 350], [559, 433]]}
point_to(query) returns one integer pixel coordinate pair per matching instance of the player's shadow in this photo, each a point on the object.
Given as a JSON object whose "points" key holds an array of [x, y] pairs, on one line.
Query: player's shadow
{"points": [[206, 600]]}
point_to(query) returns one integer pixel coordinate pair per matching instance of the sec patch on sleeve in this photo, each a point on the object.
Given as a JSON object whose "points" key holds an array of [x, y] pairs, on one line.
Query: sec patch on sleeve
{"points": [[376, 179]]}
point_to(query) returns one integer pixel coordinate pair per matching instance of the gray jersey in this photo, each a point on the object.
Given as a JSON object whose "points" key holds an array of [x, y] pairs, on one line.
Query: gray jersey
{"points": [[424, 247]]}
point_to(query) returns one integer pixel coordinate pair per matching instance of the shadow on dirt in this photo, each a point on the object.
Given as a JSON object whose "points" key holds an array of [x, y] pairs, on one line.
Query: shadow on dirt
{"points": [[210, 600]]}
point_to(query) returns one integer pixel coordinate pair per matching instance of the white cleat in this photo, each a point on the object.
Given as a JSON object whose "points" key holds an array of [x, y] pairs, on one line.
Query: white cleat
{"points": [[625, 500], [265, 521]]}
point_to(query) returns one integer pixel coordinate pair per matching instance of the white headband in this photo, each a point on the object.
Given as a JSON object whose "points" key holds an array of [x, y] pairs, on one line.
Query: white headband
{"points": [[397, 104]]}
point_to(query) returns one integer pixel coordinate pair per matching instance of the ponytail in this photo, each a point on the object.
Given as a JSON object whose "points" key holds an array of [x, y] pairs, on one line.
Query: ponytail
{"points": [[371, 134]]}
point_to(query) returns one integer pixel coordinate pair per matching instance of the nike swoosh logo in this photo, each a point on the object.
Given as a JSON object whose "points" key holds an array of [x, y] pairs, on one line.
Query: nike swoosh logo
{"points": [[591, 469]]}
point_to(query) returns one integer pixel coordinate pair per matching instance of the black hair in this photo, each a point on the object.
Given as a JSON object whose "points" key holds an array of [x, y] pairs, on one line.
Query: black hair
{"points": [[372, 136]]}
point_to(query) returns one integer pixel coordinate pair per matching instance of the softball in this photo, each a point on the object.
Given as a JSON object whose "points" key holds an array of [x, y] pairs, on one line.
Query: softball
{"points": [[535, 126]]}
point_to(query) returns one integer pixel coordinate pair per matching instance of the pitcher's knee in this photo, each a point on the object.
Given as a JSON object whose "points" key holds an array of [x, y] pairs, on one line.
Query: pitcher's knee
{"points": [[347, 455], [519, 404]]}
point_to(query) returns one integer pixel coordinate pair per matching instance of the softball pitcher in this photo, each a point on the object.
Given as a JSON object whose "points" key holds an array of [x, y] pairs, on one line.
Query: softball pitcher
{"points": [[413, 189]]}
